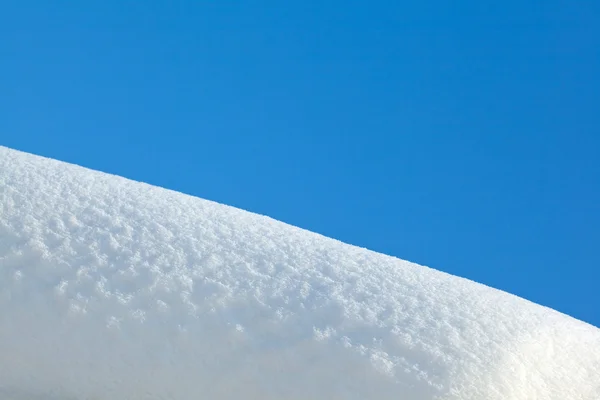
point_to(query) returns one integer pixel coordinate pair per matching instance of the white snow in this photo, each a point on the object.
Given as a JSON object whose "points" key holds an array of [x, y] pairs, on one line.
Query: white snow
{"points": [[114, 289]]}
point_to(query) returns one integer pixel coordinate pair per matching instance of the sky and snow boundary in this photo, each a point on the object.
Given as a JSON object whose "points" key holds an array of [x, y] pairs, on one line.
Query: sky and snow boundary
{"points": [[111, 288]]}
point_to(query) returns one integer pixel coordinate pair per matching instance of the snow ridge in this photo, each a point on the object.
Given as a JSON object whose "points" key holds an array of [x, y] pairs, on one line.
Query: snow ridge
{"points": [[114, 289]]}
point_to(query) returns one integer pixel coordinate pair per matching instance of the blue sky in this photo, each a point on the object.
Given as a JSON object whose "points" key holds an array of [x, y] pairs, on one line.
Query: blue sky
{"points": [[463, 136]]}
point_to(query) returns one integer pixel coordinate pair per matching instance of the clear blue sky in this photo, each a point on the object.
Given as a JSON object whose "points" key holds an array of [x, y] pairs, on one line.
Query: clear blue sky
{"points": [[460, 135]]}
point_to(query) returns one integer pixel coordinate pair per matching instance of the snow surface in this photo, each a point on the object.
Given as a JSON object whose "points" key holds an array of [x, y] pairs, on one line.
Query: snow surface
{"points": [[114, 289]]}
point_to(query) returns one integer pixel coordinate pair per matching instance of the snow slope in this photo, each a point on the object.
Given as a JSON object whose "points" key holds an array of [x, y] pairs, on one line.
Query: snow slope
{"points": [[113, 289]]}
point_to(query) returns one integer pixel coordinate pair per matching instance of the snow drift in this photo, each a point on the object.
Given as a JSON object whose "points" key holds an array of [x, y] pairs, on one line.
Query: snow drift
{"points": [[114, 289]]}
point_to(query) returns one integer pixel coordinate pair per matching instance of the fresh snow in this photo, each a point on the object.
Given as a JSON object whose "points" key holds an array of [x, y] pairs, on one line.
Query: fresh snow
{"points": [[114, 289]]}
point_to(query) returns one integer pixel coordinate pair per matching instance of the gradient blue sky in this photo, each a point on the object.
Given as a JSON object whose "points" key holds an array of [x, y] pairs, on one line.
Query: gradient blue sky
{"points": [[460, 135]]}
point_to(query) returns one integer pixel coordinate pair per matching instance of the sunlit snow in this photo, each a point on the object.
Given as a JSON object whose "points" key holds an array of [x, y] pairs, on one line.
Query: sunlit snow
{"points": [[113, 289]]}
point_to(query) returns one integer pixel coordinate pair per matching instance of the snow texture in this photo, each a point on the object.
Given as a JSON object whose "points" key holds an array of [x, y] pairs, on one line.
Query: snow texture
{"points": [[114, 289]]}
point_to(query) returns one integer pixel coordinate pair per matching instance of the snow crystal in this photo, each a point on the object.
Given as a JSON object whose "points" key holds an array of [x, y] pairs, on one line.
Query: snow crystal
{"points": [[114, 289]]}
